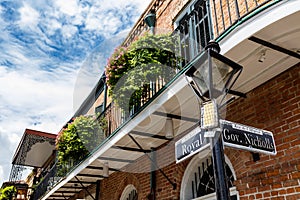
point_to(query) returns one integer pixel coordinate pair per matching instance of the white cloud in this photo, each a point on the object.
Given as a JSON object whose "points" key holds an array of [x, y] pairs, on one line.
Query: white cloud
{"points": [[36, 91], [29, 16], [36, 102], [52, 25], [68, 31], [78, 19], [70, 8], [107, 17], [1, 174]]}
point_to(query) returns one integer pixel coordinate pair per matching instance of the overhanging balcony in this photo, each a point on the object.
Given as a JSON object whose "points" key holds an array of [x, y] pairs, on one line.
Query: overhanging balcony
{"points": [[264, 38]]}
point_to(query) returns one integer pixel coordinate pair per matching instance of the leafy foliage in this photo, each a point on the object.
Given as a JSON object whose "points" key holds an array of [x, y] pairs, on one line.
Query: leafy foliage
{"points": [[130, 70], [8, 193], [81, 136], [104, 124], [117, 65]]}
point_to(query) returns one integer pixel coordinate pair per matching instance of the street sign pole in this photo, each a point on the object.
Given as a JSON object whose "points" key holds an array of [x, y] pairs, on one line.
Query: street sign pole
{"points": [[221, 183], [222, 189]]}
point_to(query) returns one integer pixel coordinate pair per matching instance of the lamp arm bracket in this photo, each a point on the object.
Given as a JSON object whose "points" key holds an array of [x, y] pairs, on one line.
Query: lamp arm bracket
{"points": [[237, 93]]}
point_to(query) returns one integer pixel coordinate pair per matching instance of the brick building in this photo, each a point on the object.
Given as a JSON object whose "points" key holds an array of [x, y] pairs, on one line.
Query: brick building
{"points": [[261, 35]]}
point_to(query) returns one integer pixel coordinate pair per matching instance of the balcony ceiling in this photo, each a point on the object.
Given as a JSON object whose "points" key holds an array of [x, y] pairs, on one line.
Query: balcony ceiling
{"points": [[284, 33]]}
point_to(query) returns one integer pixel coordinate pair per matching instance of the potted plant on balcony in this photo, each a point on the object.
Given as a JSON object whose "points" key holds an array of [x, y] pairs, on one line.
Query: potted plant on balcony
{"points": [[8, 193], [132, 71], [77, 140]]}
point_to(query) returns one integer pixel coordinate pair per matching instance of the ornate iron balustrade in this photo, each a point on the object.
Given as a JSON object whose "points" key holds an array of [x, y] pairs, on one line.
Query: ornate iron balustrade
{"points": [[45, 184], [209, 20], [52, 177], [225, 13], [116, 116]]}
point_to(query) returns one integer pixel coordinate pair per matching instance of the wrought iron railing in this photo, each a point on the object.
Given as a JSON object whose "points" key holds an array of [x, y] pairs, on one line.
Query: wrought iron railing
{"points": [[209, 20], [194, 31], [226, 13], [46, 183], [116, 116], [52, 177]]}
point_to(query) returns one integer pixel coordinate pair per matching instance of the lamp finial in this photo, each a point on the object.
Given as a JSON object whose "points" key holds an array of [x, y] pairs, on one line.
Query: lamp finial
{"points": [[214, 46]]}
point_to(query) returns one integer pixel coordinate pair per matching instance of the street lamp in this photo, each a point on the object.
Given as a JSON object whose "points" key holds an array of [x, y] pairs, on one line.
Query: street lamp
{"points": [[150, 20], [213, 76]]}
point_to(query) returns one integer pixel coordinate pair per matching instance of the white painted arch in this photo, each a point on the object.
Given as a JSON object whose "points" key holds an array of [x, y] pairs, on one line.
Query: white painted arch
{"points": [[128, 189], [185, 193]]}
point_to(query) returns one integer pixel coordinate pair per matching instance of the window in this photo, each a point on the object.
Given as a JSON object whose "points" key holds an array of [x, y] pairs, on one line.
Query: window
{"points": [[129, 193], [195, 30], [198, 182]]}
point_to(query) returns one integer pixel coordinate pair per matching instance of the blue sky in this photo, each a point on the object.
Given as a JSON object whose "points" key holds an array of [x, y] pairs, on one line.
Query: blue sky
{"points": [[52, 53]]}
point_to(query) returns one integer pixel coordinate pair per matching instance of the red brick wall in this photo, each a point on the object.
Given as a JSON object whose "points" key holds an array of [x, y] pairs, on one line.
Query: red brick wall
{"points": [[112, 187], [164, 190], [168, 12], [274, 106]]}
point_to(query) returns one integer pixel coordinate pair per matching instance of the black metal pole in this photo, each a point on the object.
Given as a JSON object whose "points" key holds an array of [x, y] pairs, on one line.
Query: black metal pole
{"points": [[97, 190], [221, 183], [153, 175]]}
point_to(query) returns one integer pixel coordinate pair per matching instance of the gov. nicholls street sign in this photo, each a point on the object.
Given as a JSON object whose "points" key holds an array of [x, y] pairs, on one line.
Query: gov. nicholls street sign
{"points": [[248, 138], [234, 135]]}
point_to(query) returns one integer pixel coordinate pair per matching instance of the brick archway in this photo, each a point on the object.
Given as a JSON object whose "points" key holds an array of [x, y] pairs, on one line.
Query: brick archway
{"points": [[128, 179]]}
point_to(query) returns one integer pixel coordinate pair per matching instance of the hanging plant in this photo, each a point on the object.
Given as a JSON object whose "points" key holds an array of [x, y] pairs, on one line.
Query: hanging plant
{"points": [[117, 65], [131, 70], [8, 193], [80, 137]]}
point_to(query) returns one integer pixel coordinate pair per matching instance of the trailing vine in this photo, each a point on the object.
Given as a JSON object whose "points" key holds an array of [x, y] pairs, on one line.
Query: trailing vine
{"points": [[130, 70], [78, 139]]}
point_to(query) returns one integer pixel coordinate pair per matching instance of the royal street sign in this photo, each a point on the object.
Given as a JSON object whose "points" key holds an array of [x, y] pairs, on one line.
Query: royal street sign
{"points": [[234, 135], [191, 143], [248, 138]]}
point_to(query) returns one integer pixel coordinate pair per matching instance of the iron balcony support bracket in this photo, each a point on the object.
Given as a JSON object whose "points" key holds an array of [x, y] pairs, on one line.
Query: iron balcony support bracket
{"points": [[85, 188], [153, 162]]}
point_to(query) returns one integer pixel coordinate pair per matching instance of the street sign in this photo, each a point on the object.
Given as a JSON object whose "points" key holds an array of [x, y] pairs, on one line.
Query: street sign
{"points": [[190, 144], [234, 135], [248, 138]]}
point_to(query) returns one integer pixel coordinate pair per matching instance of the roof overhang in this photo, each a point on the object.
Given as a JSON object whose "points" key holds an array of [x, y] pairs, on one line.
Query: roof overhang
{"points": [[34, 148]]}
